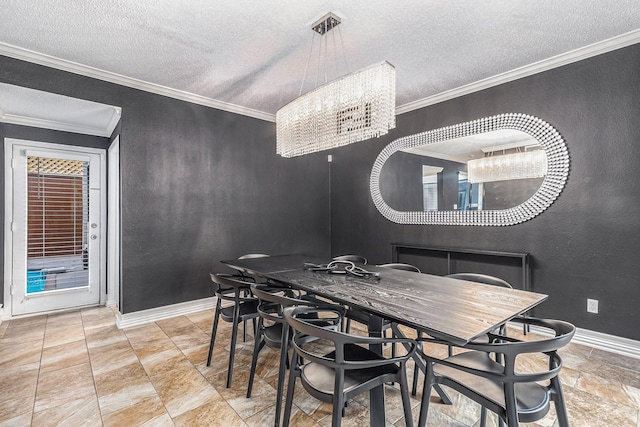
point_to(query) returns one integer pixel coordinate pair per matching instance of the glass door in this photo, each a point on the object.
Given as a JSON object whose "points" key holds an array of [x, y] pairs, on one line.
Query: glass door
{"points": [[56, 229]]}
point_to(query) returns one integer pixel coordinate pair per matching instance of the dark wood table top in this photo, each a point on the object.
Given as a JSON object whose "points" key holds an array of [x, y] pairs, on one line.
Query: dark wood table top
{"points": [[451, 309]]}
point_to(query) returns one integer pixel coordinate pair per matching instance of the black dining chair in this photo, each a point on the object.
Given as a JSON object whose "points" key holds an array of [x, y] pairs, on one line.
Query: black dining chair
{"points": [[274, 332], [515, 394], [471, 277], [401, 266], [358, 259], [347, 371], [480, 278], [239, 306]]}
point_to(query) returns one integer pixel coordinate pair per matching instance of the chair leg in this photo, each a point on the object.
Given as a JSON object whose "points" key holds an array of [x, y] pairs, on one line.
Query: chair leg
{"points": [[426, 396], [511, 406], [294, 372], [558, 399], [483, 417], [284, 362], [234, 337], [338, 398], [257, 346], [214, 330], [404, 392]]}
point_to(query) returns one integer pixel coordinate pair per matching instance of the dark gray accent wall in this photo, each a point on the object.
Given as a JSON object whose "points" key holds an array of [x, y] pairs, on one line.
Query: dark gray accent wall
{"points": [[198, 185], [587, 243]]}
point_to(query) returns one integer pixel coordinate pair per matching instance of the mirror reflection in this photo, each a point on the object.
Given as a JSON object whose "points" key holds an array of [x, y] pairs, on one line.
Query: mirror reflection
{"points": [[493, 170]]}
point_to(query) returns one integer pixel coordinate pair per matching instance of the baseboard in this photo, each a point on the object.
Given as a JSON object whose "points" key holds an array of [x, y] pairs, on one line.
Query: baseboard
{"points": [[611, 343], [606, 342], [166, 312]]}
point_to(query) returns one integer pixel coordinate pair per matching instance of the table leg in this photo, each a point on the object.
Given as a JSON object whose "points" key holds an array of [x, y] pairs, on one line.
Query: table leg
{"points": [[376, 395]]}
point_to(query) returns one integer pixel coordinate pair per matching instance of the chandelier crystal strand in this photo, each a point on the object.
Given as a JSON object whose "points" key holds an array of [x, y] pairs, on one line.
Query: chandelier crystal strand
{"points": [[353, 108], [528, 164]]}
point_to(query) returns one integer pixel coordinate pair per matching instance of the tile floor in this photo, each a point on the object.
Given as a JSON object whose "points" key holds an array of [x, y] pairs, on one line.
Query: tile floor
{"points": [[79, 369]]}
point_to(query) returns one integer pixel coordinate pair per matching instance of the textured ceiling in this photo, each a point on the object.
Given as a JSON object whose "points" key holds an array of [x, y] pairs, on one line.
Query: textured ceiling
{"points": [[253, 53]]}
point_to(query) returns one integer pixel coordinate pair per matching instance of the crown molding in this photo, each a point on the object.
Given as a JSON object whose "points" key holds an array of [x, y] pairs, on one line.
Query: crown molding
{"points": [[87, 71], [62, 126], [570, 57]]}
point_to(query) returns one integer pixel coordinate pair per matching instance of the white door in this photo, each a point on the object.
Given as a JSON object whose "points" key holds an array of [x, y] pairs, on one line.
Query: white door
{"points": [[56, 227]]}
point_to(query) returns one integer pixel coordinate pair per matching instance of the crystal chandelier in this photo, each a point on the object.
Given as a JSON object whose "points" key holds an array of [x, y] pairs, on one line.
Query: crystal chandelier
{"points": [[358, 106], [528, 164]]}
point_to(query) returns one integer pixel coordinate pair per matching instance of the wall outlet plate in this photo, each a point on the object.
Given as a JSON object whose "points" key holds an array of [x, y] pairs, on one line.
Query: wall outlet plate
{"points": [[592, 306]]}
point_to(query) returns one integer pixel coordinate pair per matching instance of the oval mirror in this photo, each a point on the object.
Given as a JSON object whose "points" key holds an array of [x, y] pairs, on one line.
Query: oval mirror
{"points": [[499, 170]]}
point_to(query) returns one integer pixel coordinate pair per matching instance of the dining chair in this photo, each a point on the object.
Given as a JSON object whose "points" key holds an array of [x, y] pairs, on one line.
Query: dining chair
{"points": [[240, 306], [397, 266], [480, 278], [516, 392], [347, 371], [471, 277], [401, 266], [274, 332], [359, 259]]}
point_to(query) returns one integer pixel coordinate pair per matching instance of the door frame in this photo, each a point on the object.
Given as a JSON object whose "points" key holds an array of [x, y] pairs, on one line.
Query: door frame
{"points": [[8, 215], [114, 273]]}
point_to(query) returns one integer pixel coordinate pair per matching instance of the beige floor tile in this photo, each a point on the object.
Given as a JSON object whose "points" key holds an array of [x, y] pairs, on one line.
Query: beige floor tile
{"points": [[111, 357], [22, 420], [24, 331], [104, 335], [19, 353], [62, 334], [60, 387], [117, 389], [17, 391], [586, 409], [149, 410], [3, 328], [97, 317], [64, 355], [215, 412], [73, 412]]}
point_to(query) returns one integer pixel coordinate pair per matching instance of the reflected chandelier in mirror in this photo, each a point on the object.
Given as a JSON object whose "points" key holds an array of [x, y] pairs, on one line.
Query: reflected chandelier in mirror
{"points": [[555, 167]]}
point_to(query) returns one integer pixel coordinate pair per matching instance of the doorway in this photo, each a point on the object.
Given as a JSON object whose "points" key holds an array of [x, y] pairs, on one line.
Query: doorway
{"points": [[56, 211]]}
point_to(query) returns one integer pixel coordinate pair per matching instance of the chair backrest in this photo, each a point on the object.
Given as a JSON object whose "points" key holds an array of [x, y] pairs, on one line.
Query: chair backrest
{"points": [[480, 278], [401, 266], [304, 321], [353, 258], [251, 256], [230, 288], [511, 348], [274, 298]]}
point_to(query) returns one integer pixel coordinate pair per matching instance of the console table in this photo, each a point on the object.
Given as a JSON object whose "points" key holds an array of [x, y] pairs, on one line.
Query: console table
{"points": [[396, 249]]}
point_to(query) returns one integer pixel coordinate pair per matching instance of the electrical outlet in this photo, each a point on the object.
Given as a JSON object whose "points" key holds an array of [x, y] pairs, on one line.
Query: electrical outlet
{"points": [[592, 306]]}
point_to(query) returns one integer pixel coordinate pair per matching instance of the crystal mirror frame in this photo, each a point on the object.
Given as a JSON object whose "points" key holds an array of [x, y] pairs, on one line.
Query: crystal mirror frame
{"points": [[553, 183]]}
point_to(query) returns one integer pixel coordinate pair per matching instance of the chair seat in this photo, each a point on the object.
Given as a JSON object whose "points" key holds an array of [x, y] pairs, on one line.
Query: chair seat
{"points": [[322, 378], [531, 398], [247, 308], [273, 335]]}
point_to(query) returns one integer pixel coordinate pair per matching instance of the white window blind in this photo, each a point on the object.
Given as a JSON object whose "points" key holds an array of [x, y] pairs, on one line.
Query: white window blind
{"points": [[57, 210]]}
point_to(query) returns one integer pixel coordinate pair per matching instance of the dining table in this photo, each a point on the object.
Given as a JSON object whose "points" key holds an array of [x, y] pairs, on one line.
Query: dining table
{"points": [[453, 310]]}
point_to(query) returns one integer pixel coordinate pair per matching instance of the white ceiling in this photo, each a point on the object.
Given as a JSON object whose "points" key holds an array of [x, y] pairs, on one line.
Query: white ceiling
{"points": [[252, 54]]}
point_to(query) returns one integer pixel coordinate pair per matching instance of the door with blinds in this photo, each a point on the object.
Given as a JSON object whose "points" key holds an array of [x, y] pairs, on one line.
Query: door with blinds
{"points": [[56, 228]]}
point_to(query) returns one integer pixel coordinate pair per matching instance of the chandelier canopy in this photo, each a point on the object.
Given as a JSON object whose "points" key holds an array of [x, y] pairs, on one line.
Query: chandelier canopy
{"points": [[355, 107]]}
